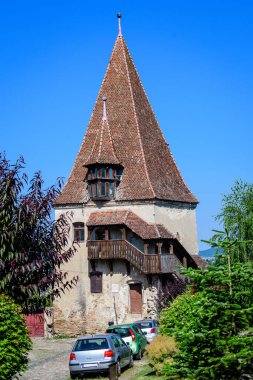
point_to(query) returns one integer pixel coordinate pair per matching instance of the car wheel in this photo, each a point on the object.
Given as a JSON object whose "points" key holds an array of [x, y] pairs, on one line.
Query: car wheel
{"points": [[72, 376], [118, 367], [131, 362]]}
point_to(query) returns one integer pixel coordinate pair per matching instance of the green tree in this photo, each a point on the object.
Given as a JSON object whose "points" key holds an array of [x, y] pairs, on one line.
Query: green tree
{"points": [[14, 339], [212, 324], [236, 218], [33, 248]]}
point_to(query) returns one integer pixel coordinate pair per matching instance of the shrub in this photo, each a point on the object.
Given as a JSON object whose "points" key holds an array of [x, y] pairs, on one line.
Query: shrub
{"points": [[169, 292], [14, 339], [159, 350], [212, 327]]}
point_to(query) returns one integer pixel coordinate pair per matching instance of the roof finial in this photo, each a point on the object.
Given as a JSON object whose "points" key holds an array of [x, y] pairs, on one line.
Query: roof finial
{"points": [[104, 109], [119, 22]]}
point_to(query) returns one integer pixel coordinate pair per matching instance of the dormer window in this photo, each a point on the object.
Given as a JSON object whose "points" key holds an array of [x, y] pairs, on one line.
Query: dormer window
{"points": [[103, 181], [104, 168]]}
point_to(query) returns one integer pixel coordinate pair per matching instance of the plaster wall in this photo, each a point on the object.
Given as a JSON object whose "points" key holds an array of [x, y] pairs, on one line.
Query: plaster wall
{"points": [[180, 220], [79, 311]]}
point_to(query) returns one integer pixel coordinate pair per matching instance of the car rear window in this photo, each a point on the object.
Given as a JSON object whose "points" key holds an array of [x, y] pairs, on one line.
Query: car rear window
{"points": [[145, 325], [137, 329], [124, 332], [91, 344]]}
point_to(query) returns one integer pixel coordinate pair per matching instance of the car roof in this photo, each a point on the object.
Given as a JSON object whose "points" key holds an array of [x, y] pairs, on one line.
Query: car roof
{"points": [[96, 336], [145, 320], [122, 325]]}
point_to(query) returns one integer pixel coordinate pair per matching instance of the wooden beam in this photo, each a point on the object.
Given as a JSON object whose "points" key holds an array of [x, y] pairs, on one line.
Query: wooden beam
{"points": [[159, 248], [146, 248], [123, 233]]}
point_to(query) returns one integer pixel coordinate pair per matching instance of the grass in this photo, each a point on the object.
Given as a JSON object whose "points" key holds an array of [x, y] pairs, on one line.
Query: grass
{"points": [[145, 373]]}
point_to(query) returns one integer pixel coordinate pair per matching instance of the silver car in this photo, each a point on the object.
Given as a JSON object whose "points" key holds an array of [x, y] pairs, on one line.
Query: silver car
{"points": [[97, 353], [148, 327]]}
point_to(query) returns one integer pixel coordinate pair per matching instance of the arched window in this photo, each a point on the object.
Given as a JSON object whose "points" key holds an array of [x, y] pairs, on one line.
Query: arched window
{"points": [[78, 231]]}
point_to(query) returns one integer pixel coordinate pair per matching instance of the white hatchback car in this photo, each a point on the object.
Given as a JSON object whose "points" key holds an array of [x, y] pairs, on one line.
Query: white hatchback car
{"points": [[148, 327]]}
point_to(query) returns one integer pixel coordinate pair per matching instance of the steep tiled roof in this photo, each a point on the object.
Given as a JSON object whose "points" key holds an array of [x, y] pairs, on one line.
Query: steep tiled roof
{"points": [[150, 171], [103, 151], [130, 220]]}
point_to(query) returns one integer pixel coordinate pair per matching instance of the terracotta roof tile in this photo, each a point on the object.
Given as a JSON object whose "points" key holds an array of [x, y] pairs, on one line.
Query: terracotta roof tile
{"points": [[130, 220], [201, 263], [149, 168], [103, 151]]}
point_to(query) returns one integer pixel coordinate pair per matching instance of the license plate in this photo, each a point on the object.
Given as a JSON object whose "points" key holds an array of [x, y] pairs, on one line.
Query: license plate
{"points": [[89, 365]]}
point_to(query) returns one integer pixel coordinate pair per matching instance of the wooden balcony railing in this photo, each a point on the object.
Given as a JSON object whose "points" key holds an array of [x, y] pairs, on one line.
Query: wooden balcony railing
{"points": [[122, 249]]}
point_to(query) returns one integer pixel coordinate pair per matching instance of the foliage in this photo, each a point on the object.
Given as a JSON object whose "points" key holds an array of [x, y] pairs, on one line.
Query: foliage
{"points": [[212, 325], [169, 292], [32, 246], [159, 350], [14, 339], [236, 217]]}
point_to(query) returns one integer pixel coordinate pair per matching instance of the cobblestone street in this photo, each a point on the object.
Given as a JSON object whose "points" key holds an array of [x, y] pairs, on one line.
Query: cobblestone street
{"points": [[49, 361]]}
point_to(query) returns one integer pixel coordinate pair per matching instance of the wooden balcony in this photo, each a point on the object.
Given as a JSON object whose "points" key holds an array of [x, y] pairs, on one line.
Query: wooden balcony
{"points": [[122, 249]]}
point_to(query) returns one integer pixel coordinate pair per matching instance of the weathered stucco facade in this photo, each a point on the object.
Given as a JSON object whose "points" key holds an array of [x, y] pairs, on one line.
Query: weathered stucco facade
{"points": [[133, 214]]}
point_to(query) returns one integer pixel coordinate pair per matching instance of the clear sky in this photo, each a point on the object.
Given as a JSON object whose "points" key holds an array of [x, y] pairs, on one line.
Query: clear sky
{"points": [[195, 60]]}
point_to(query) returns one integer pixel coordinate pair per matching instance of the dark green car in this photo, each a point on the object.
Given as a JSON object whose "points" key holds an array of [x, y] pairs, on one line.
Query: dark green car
{"points": [[132, 335]]}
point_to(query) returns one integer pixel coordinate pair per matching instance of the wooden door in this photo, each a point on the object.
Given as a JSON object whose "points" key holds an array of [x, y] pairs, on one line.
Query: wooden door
{"points": [[35, 324], [136, 298]]}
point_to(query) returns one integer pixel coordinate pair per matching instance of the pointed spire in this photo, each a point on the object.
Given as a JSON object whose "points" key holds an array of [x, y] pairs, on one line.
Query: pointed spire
{"points": [[103, 150], [130, 136], [104, 109], [119, 23]]}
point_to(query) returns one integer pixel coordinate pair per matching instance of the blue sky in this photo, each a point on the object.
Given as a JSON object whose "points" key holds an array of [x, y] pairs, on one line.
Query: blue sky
{"points": [[194, 58]]}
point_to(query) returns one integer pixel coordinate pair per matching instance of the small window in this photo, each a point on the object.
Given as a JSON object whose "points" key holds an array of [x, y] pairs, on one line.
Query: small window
{"points": [[96, 282], [94, 190], [111, 189], [110, 173], [102, 189], [103, 172], [78, 231]]}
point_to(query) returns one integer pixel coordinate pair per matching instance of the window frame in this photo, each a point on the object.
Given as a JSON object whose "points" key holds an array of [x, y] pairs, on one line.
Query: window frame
{"points": [[79, 228]]}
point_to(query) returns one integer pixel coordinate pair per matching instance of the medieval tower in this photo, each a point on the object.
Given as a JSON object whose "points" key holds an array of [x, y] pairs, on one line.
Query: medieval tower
{"points": [[133, 214]]}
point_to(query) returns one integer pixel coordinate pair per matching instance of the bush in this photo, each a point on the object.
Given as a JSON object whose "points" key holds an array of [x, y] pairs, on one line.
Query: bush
{"points": [[14, 339], [159, 350]]}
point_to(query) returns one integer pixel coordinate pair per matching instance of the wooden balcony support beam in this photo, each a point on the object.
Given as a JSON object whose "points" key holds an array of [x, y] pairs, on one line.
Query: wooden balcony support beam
{"points": [[146, 248], [159, 248], [123, 233]]}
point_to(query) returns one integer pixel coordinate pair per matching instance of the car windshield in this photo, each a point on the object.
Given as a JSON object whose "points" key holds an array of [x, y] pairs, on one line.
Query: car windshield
{"points": [[91, 344], [122, 331]]}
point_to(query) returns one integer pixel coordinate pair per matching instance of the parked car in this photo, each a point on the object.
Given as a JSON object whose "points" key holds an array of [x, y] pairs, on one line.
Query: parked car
{"points": [[96, 353], [148, 327], [132, 335]]}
